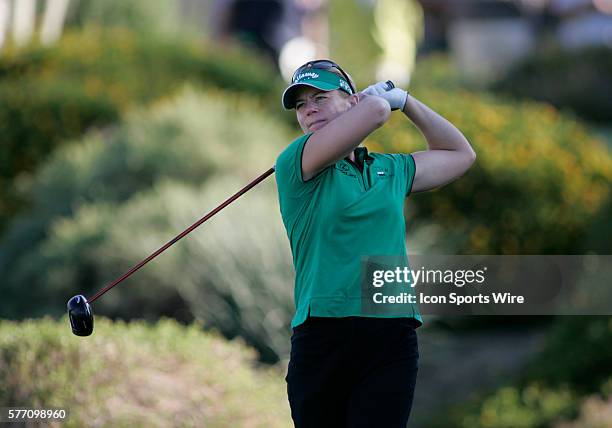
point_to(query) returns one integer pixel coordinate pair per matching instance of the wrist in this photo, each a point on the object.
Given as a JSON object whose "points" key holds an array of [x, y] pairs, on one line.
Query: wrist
{"points": [[397, 98], [406, 105]]}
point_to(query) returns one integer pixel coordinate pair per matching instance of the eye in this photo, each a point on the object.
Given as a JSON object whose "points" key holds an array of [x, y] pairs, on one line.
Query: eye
{"points": [[320, 98], [299, 105]]}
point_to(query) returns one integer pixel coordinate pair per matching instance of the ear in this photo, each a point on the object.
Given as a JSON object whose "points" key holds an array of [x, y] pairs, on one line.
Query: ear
{"points": [[353, 99]]}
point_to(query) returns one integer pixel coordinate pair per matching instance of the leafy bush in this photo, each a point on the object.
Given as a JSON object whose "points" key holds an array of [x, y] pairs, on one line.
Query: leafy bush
{"points": [[560, 379], [103, 204], [595, 412], [140, 15], [539, 180], [531, 407], [234, 273], [578, 353], [353, 50], [52, 95], [599, 237], [579, 81], [138, 375]]}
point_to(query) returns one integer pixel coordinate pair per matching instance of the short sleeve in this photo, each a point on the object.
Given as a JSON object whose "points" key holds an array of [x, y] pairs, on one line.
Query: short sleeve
{"points": [[408, 167], [289, 163], [293, 191]]}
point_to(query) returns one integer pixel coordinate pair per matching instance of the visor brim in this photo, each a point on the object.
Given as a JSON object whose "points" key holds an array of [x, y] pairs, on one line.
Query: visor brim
{"points": [[289, 94]]}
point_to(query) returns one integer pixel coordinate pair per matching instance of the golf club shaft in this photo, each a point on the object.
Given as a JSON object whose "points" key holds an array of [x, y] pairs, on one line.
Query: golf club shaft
{"points": [[185, 232]]}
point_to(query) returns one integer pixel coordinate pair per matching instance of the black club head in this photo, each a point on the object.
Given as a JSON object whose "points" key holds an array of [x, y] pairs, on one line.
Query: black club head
{"points": [[81, 317]]}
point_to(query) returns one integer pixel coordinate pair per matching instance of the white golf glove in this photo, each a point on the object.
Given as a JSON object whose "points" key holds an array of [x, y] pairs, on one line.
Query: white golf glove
{"points": [[396, 97]]}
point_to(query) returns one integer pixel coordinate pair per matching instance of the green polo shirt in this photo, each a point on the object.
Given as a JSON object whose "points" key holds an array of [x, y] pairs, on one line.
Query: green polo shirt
{"points": [[336, 220]]}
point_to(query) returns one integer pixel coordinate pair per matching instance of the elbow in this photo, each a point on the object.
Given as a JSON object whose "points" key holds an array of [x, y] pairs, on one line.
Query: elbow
{"points": [[470, 159], [384, 116], [466, 159], [381, 111], [470, 155]]}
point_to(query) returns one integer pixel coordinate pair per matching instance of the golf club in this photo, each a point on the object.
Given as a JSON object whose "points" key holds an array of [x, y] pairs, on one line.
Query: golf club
{"points": [[79, 309]]}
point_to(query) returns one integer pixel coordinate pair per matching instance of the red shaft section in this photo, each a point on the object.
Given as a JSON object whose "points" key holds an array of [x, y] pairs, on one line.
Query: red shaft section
{"points": [[188, 230]]}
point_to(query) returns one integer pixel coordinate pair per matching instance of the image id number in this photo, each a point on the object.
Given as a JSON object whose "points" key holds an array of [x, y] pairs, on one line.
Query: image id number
{"points": [[25, 414]]}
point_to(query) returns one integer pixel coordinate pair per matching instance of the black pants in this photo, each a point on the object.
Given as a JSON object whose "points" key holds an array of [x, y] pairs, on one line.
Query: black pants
{"points": [[352, 372]]}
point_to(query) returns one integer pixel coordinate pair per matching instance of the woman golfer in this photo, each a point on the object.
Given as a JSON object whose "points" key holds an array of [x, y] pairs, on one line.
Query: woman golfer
{"points": [[351, 366]]}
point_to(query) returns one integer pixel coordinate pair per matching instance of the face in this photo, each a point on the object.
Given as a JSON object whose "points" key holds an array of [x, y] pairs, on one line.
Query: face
{"points": [[315, 108]]}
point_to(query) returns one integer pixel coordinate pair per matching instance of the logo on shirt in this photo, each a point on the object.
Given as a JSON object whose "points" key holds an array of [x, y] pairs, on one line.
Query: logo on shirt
{"points": [[345, 169], [382, 172]]}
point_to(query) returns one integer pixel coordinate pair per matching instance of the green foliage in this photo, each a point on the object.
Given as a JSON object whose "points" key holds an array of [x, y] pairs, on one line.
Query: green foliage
{"points": [[436, 71], [51, 95], [138, 374], [234, 274], [102, 204], [573, 364], [539, 180], [139, 15], [595, 412], [351, 43], [575, 80], [531, 407], [578, 352], [600, 233]]}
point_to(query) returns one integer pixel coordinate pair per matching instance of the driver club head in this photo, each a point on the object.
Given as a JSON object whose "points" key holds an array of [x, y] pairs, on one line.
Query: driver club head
{"points": [[81, 317]]}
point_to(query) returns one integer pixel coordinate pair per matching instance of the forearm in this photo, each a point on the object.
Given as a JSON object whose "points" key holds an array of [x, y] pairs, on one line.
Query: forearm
{"points": [[439, 132], [339, 137]]}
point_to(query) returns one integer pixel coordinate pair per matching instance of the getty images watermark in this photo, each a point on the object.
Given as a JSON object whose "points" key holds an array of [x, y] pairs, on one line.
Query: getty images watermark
{"points": [[458, 278], [487, 285]]}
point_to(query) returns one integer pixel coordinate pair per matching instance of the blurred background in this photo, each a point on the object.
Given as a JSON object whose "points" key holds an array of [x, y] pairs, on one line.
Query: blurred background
{"points": [[124, 121]]}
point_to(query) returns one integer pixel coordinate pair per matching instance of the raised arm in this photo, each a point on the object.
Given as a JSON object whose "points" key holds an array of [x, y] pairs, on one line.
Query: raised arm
{"points": [[339, 137], [449, 154]]}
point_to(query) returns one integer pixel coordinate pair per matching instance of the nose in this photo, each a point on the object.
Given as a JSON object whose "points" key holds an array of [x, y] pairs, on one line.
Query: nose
{"points": [[310, 107]]}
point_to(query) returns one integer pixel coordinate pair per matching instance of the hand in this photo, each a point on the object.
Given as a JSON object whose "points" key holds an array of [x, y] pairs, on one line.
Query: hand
{"points": [[396, 97]]}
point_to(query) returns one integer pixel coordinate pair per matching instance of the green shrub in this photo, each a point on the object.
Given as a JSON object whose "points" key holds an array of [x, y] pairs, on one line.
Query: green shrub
{"points": [[539, 180], [575, 80], [138, 374], [353, 50], [573, 364], [578, 352], [595, 412], [599, 236], [52, 95], [102, 204], [531, 407], [234, 273], [570, 371], [139, 15]]}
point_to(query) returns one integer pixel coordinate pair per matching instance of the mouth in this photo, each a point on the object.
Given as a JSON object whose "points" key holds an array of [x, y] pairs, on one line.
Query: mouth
{"points": [[317, 124]]}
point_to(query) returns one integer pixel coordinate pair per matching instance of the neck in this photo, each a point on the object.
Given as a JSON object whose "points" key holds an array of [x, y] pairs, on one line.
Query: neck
{"points": [[351, 155]]}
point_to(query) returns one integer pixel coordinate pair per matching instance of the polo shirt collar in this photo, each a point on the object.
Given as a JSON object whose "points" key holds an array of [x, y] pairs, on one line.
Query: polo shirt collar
{"points": [[361, 155]]}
